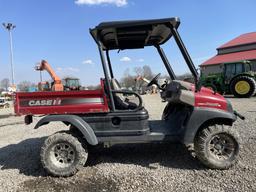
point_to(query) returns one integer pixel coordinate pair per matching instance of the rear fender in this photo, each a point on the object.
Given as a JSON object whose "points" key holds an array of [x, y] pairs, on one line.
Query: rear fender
{"points": [[242, 74], [74, 120], [200, 117]]}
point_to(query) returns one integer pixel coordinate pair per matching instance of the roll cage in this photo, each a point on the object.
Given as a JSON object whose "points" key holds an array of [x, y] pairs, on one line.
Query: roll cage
{"points": [[135, 35]]}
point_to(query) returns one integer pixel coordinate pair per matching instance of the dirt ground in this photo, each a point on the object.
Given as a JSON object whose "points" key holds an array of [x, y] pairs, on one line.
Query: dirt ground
{"points": [[142, 167]]}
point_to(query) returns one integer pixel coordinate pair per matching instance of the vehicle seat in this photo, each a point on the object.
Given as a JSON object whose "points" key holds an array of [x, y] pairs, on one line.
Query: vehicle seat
{"points": [[121, 102]]}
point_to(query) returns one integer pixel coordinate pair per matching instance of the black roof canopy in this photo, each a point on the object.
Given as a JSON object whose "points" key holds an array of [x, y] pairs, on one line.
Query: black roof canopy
{"points": [[134, 34]]}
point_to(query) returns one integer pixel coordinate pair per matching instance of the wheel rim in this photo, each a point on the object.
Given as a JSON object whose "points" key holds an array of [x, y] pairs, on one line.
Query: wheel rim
{"points": [[222, 147], [242, 87], [62, 155]]}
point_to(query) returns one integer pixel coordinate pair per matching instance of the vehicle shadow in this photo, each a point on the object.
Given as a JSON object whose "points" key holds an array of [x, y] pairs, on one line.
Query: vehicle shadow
{"points": [[25, 156], [150, 155]]}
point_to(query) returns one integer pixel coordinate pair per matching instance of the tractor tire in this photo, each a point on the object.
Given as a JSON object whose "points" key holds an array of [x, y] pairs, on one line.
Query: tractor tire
{"points": [[243, 87], [217, 146], [63, 155]]}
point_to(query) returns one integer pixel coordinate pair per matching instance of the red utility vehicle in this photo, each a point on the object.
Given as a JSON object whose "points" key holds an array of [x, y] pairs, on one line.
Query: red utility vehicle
{"points": [[194, 115]]}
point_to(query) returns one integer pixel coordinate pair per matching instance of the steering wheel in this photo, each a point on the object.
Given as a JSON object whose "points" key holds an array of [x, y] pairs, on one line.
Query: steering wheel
{"points": [[154, 80]]}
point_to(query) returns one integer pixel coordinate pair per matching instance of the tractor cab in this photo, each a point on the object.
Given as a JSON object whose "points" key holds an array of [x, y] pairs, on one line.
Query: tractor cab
{"points": [[71, 83], [233, 69], [122, 35]]}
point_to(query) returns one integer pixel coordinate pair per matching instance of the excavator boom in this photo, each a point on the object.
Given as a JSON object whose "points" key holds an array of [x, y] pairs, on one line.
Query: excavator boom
{"points": [[57, 84]]}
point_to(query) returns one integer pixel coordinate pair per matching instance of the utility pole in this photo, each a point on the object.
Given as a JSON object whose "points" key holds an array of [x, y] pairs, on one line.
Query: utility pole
{"points": [[10, 27]]}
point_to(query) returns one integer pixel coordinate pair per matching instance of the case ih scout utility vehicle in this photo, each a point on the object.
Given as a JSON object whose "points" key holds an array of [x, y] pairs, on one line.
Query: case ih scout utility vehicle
{"points": [[193, 115]]}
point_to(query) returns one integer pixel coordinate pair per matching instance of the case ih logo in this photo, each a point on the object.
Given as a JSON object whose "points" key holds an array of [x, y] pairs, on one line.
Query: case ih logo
{"points": [[47, 102]]}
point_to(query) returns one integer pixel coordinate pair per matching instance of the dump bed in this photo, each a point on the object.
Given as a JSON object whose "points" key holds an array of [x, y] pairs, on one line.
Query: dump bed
{"points": [[60, 102]]}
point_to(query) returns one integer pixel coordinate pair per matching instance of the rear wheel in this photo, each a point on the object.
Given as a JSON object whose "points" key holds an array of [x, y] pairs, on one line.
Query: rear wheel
{"points": [[243, 87], [217, 146], [63, 155]]}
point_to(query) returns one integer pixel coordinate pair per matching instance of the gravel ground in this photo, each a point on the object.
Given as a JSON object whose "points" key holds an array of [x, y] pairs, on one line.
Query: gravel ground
{"points": [[143, 167]]}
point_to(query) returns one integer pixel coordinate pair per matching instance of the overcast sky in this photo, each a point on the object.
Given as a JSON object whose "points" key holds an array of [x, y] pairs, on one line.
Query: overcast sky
{"points": [[58, 31]]}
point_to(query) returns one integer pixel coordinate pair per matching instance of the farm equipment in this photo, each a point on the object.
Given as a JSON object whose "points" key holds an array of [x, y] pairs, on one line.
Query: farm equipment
{"points": [[57, 84], [71, 84], [194, 115], [44, 86], [237, 78], [66, 84], [143, 79], [4, 103]]}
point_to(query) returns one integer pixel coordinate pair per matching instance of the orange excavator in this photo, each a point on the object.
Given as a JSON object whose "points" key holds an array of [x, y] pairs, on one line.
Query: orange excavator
{"points": [[57, 83]]}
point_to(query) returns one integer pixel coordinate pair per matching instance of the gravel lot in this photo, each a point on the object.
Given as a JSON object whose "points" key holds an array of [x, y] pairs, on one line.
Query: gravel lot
{"points": [[143, 167]]}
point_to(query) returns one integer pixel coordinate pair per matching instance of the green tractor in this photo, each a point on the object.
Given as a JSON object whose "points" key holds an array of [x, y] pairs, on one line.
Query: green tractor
{"points": [[237, 78]]}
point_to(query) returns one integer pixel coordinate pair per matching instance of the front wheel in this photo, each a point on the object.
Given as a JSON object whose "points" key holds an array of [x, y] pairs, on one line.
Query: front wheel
{"points": [[217, 146], [63, 155]]}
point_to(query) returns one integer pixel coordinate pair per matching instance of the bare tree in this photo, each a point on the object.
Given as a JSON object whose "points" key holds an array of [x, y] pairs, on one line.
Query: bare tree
{"points": [[126, 72], [5, 83], [138, 71], [25, 85], [147, 72], [127, 80]]}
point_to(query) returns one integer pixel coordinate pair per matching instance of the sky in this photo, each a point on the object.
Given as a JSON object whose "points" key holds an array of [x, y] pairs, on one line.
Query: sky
{"points": [[58, 31]]}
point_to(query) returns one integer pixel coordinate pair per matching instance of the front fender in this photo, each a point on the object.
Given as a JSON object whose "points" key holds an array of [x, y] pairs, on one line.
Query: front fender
{"points": [[74, 120], [201, 116]]}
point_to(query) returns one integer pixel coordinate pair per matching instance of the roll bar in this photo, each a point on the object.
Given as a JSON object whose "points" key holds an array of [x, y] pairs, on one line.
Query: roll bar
{"points": [[96, 33]]}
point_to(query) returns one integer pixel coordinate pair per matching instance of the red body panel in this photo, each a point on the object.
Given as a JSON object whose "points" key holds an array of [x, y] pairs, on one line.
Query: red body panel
{"points": [[61, 102], [206, 98], [210, 100]]}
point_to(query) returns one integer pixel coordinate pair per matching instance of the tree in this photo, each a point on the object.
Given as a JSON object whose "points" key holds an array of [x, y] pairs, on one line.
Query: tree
{"points": [[147, 73], [126, 72], [138, 71], [5, 83], [129, 80], [25, 85]]}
